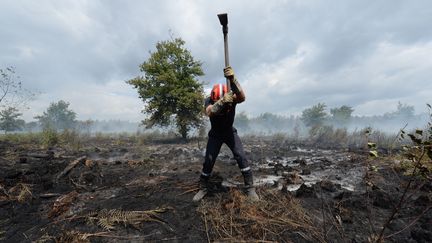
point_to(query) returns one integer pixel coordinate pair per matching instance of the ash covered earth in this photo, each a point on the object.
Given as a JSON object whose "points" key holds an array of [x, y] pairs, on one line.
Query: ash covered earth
{"points": [[123, 190]]}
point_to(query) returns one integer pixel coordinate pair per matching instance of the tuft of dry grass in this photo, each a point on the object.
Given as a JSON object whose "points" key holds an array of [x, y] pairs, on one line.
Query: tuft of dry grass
{"points": [[187, 187], [21, 193], [274, 218]]}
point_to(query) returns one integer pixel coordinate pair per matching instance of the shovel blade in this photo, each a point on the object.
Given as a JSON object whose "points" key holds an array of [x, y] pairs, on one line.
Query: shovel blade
{"points": [[223, 19]]}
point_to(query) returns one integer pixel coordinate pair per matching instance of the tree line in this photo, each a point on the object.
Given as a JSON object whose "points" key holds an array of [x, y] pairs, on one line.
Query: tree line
{"points": [[173, 97], [58, 116], [319, 115]]}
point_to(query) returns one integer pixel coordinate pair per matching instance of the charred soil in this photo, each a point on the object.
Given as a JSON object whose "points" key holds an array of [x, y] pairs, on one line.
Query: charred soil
{"points": [[122, 190]]}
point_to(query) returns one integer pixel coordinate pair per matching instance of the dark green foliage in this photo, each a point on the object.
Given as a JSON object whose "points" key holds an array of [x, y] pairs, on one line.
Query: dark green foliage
{"points": [[58, 116], [342, 115], [314, 116], [9, 120], [170, 89]]}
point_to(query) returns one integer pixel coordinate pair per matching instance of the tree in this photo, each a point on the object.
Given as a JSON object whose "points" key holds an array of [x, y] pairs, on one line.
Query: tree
{"points": [[342, 115], [9, 120], [31, 126], [404, 111], [12, 93], [242, 121], [270, 121], [58, 116], [170, 89], [314, 116], [86, 125]]}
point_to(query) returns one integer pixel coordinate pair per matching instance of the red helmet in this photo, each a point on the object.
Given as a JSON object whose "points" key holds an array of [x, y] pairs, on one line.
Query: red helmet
{"points": [[218, 91]]}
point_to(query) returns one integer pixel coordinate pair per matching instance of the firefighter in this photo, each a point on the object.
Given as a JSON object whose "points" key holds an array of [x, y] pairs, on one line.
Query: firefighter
{"points": [[220, 108]]}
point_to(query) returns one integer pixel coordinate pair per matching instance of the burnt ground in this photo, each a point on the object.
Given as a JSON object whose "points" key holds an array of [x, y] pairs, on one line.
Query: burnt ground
{"points": [[345, 196]]}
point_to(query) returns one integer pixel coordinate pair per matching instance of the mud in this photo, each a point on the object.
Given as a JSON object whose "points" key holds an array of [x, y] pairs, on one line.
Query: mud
{"points": [[336, 187]]}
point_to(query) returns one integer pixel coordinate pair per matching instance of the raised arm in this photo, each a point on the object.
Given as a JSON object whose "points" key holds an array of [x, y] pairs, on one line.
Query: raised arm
{"points": [[239, 95]]}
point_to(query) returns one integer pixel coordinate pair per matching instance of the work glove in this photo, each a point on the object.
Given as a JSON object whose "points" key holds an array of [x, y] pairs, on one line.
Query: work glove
{"points": [[229, 72], [228, 98]]}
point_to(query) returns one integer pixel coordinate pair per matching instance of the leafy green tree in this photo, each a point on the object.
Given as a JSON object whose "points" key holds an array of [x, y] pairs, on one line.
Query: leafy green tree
{"points": [[9, 120], [314, 116], [58, 116], [342, 115], [170, 89]]}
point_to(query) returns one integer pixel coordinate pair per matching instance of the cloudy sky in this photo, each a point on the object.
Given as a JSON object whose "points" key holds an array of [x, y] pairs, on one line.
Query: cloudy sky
{"points": [[287, 54]]}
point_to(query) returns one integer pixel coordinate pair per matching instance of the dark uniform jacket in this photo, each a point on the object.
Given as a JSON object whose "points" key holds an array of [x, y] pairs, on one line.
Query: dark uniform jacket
{"points": [[221, 124]]}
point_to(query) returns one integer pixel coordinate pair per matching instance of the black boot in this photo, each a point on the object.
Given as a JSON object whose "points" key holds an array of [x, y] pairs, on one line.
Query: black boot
{"points": [[250, 189], [203, 188]]}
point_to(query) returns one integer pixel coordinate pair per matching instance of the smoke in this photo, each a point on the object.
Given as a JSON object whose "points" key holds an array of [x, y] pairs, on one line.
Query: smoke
{"points": [[268, 124]]}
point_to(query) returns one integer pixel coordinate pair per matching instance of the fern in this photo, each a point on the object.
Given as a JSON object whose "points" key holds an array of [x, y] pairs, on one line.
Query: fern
{"points": [[73, 237], [107, 219]]}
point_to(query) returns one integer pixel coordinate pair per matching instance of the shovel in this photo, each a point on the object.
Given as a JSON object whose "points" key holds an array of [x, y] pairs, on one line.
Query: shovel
{"points": [[223, 19]]}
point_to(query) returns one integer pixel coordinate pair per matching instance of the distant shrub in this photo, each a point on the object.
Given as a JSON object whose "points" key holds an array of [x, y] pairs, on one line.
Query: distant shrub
{"points": [[328, 136], [314, 116], [72, 138], [100, 137], [50, 137]]}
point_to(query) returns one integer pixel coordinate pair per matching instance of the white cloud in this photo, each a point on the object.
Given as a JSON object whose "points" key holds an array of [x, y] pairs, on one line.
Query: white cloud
{"points": [[114, 100], [373, 85], [288, 54], [26, 52]]}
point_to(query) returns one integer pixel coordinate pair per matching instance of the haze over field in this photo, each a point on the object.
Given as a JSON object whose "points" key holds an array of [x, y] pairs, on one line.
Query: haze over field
{"points": [[289, 55]]}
